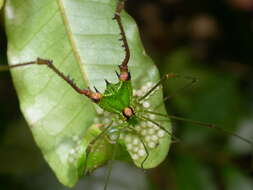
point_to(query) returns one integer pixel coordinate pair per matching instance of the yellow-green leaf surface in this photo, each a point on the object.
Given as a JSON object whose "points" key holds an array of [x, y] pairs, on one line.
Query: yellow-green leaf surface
{"points": [[82, 40]]}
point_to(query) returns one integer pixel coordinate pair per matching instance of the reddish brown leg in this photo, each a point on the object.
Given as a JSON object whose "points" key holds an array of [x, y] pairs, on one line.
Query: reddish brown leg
{"points": [[94, 96], [124, 74]]}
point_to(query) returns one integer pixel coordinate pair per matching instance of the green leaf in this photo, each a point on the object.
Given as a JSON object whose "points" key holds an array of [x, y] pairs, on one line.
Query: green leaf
{"points": [[82, 40]]}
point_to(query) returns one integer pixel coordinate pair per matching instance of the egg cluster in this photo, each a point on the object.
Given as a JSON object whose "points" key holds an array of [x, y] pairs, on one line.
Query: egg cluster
{"points": [[144, 89], [102, 116], [134, 146], [150, 135], [74, 153]]}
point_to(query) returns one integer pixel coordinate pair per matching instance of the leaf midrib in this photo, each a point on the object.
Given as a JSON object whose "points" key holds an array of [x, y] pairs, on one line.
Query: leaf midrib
{"points": [[72, 41]]}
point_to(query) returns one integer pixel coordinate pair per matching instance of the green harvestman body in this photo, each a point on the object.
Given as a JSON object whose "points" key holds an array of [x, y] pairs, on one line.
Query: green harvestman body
{"points": [[131, 108]]}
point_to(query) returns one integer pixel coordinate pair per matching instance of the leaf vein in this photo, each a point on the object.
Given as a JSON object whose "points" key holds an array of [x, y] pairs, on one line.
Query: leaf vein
{"points": [[38, 31]]}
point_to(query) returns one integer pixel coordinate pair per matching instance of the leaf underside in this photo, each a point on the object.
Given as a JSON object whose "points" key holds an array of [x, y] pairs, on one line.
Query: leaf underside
{"points": [[82, 40]]}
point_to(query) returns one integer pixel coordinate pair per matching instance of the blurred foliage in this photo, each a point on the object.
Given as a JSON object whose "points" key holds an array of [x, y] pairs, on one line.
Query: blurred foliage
{"points": [[211, 40], [1, 4]]}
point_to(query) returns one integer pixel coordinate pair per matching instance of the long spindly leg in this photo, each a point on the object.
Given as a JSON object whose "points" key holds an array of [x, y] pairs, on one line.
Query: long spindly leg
{"points": [[192, 81], [143, 143], [95, 96], [147, 153], [199, 123], [174, 138], [93, 143], [168, 76], [124, 74], [109, 172], [7, 68]]}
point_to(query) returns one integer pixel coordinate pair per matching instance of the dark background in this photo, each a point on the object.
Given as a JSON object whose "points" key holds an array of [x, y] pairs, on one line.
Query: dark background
{"points": [[211, 40]]}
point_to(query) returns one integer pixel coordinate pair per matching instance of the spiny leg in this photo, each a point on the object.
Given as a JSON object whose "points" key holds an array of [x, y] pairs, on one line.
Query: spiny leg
{"points": [[167, 77], [209, 125], [93, 142], [124, 74], [94, 96]]}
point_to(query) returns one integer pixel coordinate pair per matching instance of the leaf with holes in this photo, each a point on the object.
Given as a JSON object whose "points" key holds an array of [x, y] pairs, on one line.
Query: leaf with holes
{"points": [[82, 40]]}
